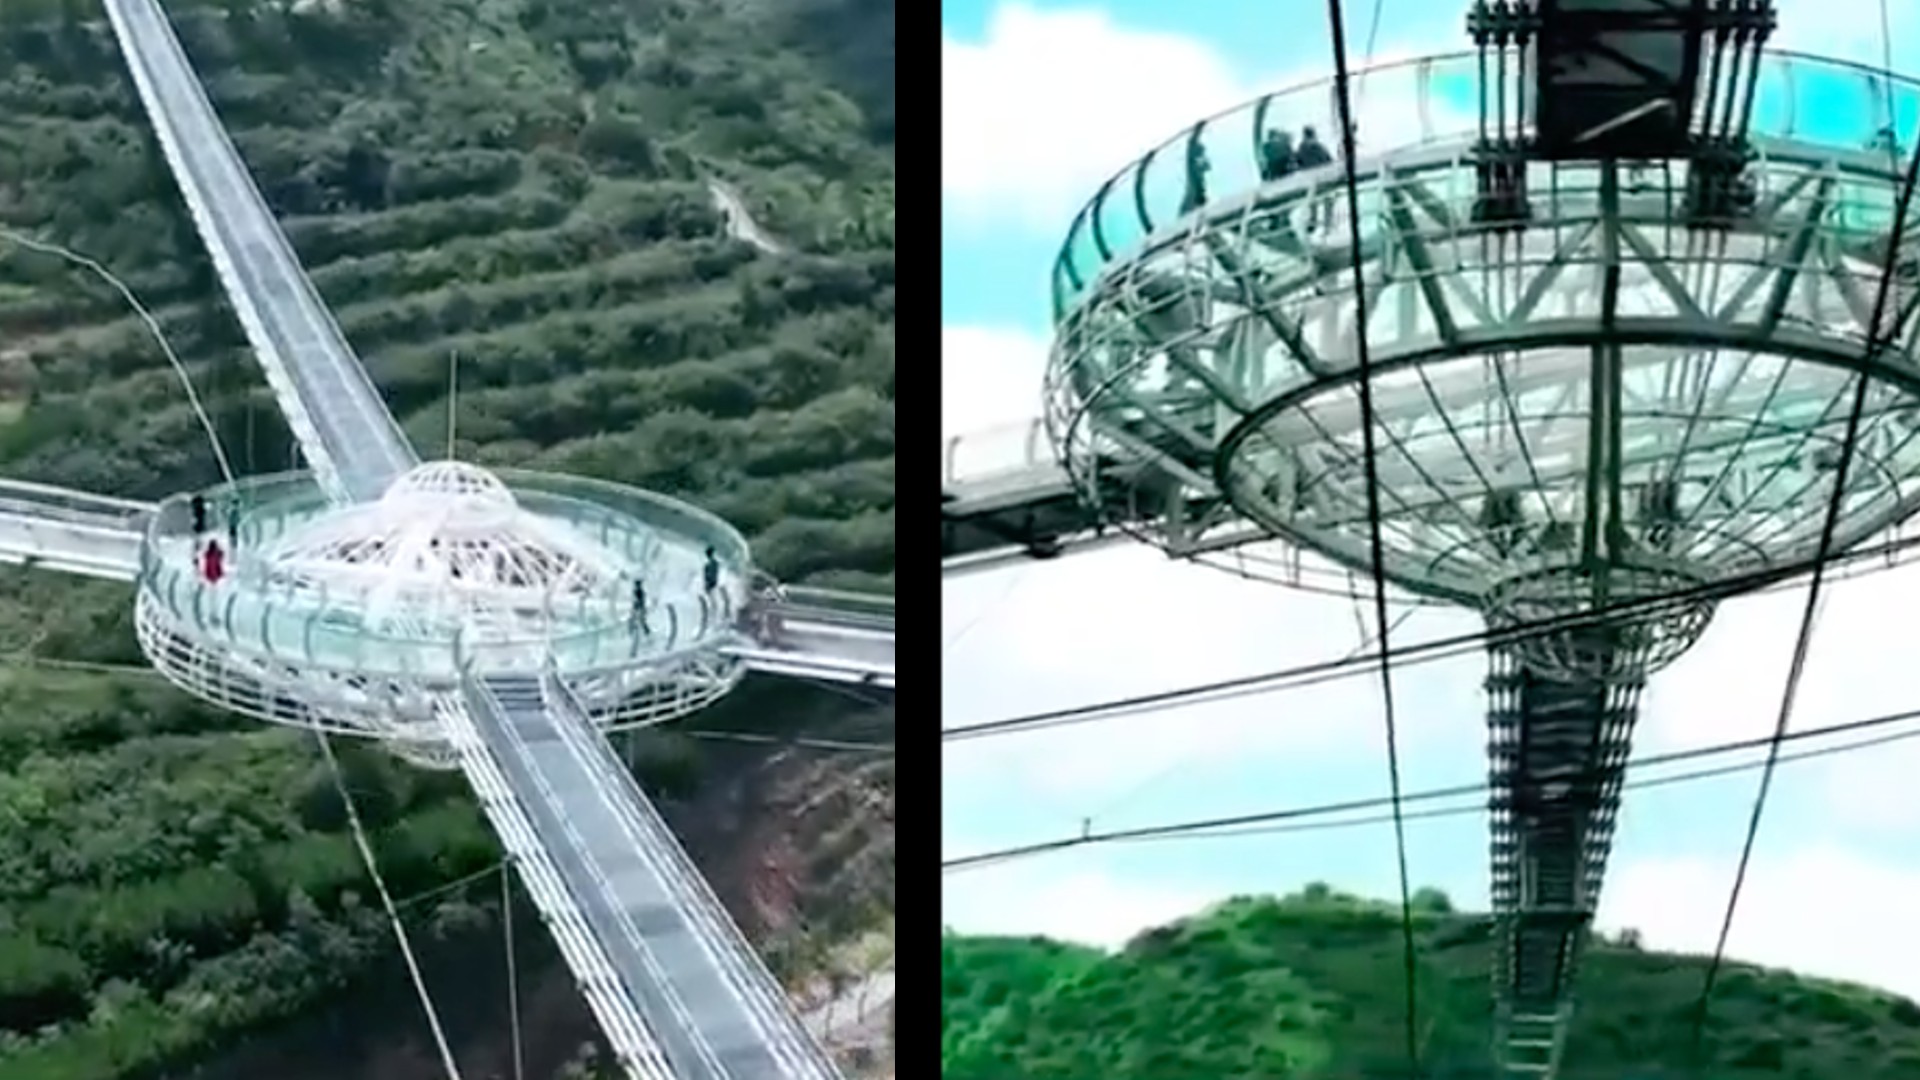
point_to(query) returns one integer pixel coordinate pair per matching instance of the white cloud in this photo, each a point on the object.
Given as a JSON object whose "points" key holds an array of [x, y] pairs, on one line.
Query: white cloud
{"points": [[1730, 685], [1052, 103], [1846, 29], [989, 378], [1123, 622], [1084, 904], [1820, 911], [1049, 104]]}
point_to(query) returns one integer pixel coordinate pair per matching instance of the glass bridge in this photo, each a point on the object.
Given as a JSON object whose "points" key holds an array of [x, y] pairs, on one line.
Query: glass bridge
{"points": [[469, 619]]}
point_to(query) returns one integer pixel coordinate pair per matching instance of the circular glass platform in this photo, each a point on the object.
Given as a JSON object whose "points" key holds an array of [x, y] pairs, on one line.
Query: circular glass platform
{"points": [[1608, 391], [356, 618]]}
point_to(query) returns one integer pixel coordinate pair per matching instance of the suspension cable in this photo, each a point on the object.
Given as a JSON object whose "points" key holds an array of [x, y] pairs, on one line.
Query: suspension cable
{"points": [[326, 748], [1366, 61], [386, 902], [1265, 821], [1876, 347], [1286, 827], [1376, 550], [513, 976], [1358, 652], [152, 324], [1319, 671]]}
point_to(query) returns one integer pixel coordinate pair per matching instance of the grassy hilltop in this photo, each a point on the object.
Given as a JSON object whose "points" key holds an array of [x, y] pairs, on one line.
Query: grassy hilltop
{"points": [[1312, 987]]}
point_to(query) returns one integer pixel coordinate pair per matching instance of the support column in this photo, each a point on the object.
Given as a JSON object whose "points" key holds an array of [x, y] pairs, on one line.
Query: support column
{"points": [[1556, 755]]}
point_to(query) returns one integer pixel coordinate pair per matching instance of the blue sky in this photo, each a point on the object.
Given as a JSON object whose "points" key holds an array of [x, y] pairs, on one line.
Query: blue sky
{"points": [[1041, 103]]}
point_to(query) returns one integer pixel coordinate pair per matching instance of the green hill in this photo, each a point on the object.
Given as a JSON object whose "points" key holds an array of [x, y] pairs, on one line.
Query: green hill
{"points": [[518, 183], [1312, 987]]}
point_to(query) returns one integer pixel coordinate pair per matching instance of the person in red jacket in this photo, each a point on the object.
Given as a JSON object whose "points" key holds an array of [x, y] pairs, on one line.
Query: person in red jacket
{"points": [[213, 563]]}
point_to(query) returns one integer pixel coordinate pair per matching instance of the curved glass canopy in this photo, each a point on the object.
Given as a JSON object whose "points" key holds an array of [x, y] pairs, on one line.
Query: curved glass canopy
{"points": [[1423, 103]]}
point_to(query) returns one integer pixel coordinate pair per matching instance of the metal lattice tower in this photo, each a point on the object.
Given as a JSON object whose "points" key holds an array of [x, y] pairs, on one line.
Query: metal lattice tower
{"points": [[1619, 269]]}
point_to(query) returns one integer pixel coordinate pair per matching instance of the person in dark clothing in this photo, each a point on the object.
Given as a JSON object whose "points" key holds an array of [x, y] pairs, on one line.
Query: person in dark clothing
{"points": [[213, 563], [1311, 153], [1276, 155], [197, 506], [711, 573], [233, 526], [1197, 168], [772, 629], [1885, 142], [639, 616]]}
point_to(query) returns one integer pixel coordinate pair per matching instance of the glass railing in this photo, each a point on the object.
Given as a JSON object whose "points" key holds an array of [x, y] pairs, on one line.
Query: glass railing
{"points": [[839, 600], [660, 513], [1425, 103], [301, 621], [997, 451], [75, 506]]}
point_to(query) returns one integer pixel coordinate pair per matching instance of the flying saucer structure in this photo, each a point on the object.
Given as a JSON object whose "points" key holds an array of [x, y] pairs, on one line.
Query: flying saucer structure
{"points": [[1622, 274], [498, 622], [357, 618]]}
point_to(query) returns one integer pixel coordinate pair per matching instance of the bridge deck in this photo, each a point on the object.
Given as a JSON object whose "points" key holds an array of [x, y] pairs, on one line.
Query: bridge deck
{"points": [[674, 954], [90, 535], [345, 430]]}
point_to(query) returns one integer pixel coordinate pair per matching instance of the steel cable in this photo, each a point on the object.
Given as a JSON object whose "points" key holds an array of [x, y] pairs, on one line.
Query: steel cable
{"points": [[1253, 823], [1876, 346], [1376, 549], [1320, 671]]}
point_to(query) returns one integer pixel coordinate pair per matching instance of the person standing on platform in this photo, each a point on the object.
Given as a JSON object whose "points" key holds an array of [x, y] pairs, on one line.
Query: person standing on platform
{"points": [[197, 506], [1276, 155], [1198, 166], [772, 629], [638, 618], [710, 596], [213, 563], [233, 526], [1311, 153]]}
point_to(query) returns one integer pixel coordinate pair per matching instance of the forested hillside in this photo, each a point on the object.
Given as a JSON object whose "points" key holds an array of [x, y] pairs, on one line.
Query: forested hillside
{"points": [[516, 185], [1311, 987]]}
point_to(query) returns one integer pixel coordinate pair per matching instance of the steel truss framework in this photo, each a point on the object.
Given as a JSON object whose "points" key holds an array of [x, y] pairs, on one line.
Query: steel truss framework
{"points": [[1557, 754], [1221, 362], [998, 502], [796, 631]]}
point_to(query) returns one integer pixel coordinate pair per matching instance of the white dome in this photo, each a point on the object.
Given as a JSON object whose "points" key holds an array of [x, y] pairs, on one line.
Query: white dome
{"points": [[446, 545], [448, 479]]}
